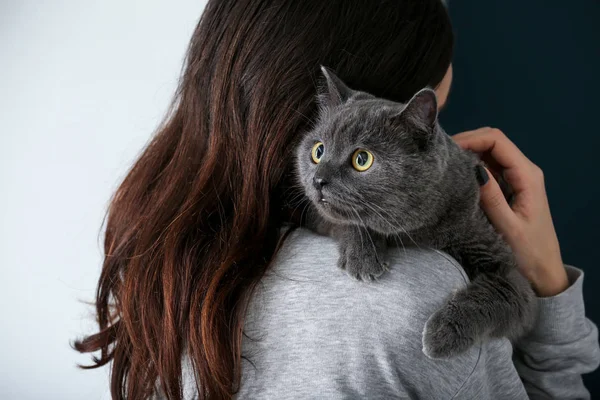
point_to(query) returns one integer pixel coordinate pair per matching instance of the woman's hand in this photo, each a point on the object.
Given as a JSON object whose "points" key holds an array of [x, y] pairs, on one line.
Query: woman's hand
{"points": [[527, 225]]}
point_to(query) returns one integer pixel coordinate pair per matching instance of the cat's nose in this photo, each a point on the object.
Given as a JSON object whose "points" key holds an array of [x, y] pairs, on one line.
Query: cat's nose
{"points": [[319, 183]]}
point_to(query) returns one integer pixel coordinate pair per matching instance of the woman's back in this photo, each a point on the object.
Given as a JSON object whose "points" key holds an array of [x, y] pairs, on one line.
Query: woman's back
{"points": [[312, 331]]}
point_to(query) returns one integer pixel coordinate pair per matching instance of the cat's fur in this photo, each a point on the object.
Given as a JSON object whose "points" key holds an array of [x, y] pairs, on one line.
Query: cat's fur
{"points": [[421, 189]]}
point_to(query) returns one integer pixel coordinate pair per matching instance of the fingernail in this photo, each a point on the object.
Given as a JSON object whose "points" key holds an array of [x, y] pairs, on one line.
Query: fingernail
{"points": [[481, 174]]}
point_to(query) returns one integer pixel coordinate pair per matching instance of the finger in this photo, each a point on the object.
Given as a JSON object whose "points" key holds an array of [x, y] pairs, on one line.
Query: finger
{"points": [[490, 163], [462, 135], [463, 138], [494, 204], [496, 144]]}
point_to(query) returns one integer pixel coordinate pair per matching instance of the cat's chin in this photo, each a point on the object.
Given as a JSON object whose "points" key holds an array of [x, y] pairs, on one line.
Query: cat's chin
{"points": [[331, 213]]}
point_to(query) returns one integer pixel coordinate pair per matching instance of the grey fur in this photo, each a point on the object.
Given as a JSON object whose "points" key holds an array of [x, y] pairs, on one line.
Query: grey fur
{"points": [[421, 190]]}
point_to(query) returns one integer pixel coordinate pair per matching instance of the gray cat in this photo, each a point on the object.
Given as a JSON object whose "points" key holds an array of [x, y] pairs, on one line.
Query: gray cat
{"points": [[376, 173]]}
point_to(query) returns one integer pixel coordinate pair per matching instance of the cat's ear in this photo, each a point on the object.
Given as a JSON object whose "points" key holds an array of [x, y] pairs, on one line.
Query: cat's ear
{"points": [[419, 117], [422, 109], [335, 91]]}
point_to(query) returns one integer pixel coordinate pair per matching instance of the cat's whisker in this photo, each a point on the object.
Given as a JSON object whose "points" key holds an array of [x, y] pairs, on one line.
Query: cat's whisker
{"points": [[302, 115], [395, 237], [361, 221], [368, 233], [297, 185], [398, 225], [290, 190], [303, 211], [348, 217], [296, 200], [362, 244]]}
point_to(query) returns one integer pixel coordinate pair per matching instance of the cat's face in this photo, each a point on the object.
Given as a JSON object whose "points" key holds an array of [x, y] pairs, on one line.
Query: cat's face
{"points": [[370, 161]]}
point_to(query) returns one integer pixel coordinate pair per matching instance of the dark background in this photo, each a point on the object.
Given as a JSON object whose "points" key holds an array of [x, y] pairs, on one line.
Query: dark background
{"points": [[532, 69]]}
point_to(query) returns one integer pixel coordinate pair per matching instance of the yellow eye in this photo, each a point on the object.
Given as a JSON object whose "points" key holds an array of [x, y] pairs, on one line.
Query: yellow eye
{"points": [[317, 152], [362, 160]]}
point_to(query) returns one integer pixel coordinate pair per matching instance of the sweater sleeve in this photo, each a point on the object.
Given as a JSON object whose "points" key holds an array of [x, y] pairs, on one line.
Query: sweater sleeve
{"points": [[563, 345]]}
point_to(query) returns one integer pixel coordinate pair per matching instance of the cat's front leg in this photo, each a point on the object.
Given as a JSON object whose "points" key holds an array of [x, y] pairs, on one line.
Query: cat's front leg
{"points": [[498, 302], [492, 306], [362, 253]]}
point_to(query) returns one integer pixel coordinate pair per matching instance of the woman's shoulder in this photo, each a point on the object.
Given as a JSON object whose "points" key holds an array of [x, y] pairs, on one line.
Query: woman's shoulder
{"points": [[317, 315], [418, 282], [308, 253], [304, 274]]}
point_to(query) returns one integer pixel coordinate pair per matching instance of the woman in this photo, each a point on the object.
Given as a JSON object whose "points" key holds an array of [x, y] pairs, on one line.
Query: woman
{"points": [[196, 268]]}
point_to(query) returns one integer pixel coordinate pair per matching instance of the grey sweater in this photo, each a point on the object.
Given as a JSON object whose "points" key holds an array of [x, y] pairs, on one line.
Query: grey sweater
{"points": [[315, 333]]}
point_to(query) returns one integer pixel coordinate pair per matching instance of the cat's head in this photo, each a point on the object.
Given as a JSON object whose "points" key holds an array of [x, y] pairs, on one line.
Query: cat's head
{"points": [[370, 161]]}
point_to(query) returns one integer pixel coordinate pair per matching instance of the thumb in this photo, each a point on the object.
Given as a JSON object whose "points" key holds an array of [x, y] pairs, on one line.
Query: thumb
{"points": [[494, 203]]}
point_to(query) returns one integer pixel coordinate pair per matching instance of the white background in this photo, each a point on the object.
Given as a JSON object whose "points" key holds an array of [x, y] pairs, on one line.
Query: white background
{"points": [[83, 86]]}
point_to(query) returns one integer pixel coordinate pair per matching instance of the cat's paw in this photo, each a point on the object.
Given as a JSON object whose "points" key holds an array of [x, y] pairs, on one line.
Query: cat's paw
{"points": [[361, 264], [444, 336]]}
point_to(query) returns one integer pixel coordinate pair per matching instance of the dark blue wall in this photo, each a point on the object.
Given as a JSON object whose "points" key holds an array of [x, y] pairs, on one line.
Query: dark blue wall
{"points": [[532, 69]]}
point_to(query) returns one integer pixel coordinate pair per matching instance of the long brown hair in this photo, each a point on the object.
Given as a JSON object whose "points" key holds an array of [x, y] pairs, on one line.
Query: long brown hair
{"points": [[193, 226]]}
